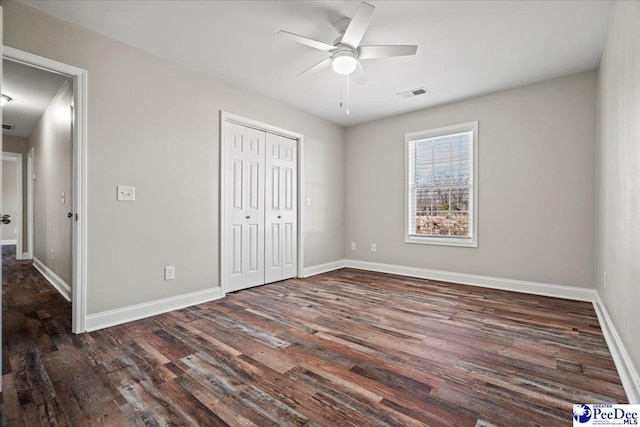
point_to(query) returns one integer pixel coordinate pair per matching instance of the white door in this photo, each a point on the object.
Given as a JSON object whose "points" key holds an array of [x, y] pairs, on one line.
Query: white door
{"points": [[281, 213], [244, 202]]}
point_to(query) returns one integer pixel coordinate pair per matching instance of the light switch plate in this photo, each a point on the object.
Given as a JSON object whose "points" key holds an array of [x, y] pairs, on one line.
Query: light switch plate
{"points": [[126, 193]]}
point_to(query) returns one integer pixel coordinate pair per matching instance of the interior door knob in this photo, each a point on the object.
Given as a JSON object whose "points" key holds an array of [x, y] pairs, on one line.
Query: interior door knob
{"points": [[69, 215], [6, 219]]}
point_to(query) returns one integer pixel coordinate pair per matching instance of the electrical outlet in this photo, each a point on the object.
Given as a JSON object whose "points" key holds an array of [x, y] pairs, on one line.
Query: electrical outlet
{"points": [[605, 280], [374, 247], [169, 272], [353, 246]]}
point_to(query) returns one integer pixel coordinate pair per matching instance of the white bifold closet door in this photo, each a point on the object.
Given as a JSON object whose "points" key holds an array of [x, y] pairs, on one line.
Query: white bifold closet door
{"points": [[261, 207], [281, 233]]}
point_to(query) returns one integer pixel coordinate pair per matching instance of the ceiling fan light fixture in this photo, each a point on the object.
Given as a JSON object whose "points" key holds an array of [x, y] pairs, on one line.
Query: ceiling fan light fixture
{"points": [[4, 100], [344, 62]]}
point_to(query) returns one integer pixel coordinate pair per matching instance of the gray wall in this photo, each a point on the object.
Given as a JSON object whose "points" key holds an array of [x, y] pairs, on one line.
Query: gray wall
{"points": [[618, 178], [18, 144], [536, 175], [9, 197], [15, 144], [51, 141], [155, 125]]}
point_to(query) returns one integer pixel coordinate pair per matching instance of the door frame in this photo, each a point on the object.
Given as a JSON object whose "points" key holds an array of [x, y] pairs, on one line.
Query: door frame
{"points": [[225, 118], [79, 175], [30, 224], [17, 157]]}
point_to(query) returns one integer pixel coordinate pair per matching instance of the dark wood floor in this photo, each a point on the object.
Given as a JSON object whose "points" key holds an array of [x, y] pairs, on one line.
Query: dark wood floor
{"points": [[347, 348]]}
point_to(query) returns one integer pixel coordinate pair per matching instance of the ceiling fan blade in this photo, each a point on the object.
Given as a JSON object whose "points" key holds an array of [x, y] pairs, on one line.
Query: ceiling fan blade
{"points": [[359, 75], [370, 52], [357, 27], [307, 41], [319, 66]]}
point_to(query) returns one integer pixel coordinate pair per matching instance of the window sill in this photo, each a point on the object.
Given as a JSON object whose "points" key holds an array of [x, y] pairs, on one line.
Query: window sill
{"points": [[442, 241]]}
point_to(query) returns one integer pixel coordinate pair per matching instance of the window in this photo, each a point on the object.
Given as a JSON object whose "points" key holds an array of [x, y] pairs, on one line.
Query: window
{"points": [[442, 186]]}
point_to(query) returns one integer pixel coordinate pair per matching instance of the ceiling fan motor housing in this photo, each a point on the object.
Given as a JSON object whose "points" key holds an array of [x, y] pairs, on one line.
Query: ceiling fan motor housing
{"points": [[341, 26]]}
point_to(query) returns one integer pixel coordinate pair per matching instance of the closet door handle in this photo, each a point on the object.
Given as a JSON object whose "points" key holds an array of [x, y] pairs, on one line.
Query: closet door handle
{"points": [[247, 217], [279, 217]]}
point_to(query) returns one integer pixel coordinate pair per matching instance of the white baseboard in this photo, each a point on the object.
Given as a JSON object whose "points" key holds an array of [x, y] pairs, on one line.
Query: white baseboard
{"points": [[322, 268], [535, 288], [53, 278], [627, 371], [9, 242], [118, 316]]}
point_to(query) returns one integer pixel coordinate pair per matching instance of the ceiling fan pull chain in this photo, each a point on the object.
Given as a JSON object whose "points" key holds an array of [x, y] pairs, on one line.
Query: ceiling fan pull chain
{"points": [[348, 94]]}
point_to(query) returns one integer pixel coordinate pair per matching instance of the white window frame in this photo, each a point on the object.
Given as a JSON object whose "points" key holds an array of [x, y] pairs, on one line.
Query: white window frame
{"points": [[471, 241]]}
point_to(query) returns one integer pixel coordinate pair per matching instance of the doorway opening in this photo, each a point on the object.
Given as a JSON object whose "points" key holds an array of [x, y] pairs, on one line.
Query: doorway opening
{"points": [[52, 149], [12, 202]]}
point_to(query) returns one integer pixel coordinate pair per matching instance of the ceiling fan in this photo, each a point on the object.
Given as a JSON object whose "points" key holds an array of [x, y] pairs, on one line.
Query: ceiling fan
{"points": [[346, 51]]}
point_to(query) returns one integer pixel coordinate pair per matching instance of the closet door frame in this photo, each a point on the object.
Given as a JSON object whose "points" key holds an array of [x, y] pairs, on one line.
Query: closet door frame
{"points": [[225, 119]]}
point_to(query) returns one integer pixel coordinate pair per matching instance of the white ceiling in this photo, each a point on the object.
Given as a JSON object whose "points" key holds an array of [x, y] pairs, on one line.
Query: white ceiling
{"points": [[31, 90], [465, 48]]}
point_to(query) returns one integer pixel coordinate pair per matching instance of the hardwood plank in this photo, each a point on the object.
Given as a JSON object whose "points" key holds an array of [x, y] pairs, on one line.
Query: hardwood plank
{"points": [[11, 413], [83, 397]]}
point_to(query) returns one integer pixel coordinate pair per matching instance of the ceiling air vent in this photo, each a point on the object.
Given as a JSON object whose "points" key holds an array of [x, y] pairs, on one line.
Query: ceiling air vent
{"points": [[7, 127], [413, 92]]}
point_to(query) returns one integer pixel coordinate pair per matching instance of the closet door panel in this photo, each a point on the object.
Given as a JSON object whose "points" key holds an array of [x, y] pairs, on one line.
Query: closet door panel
{"points": [[281, 213], [245, 206]]}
